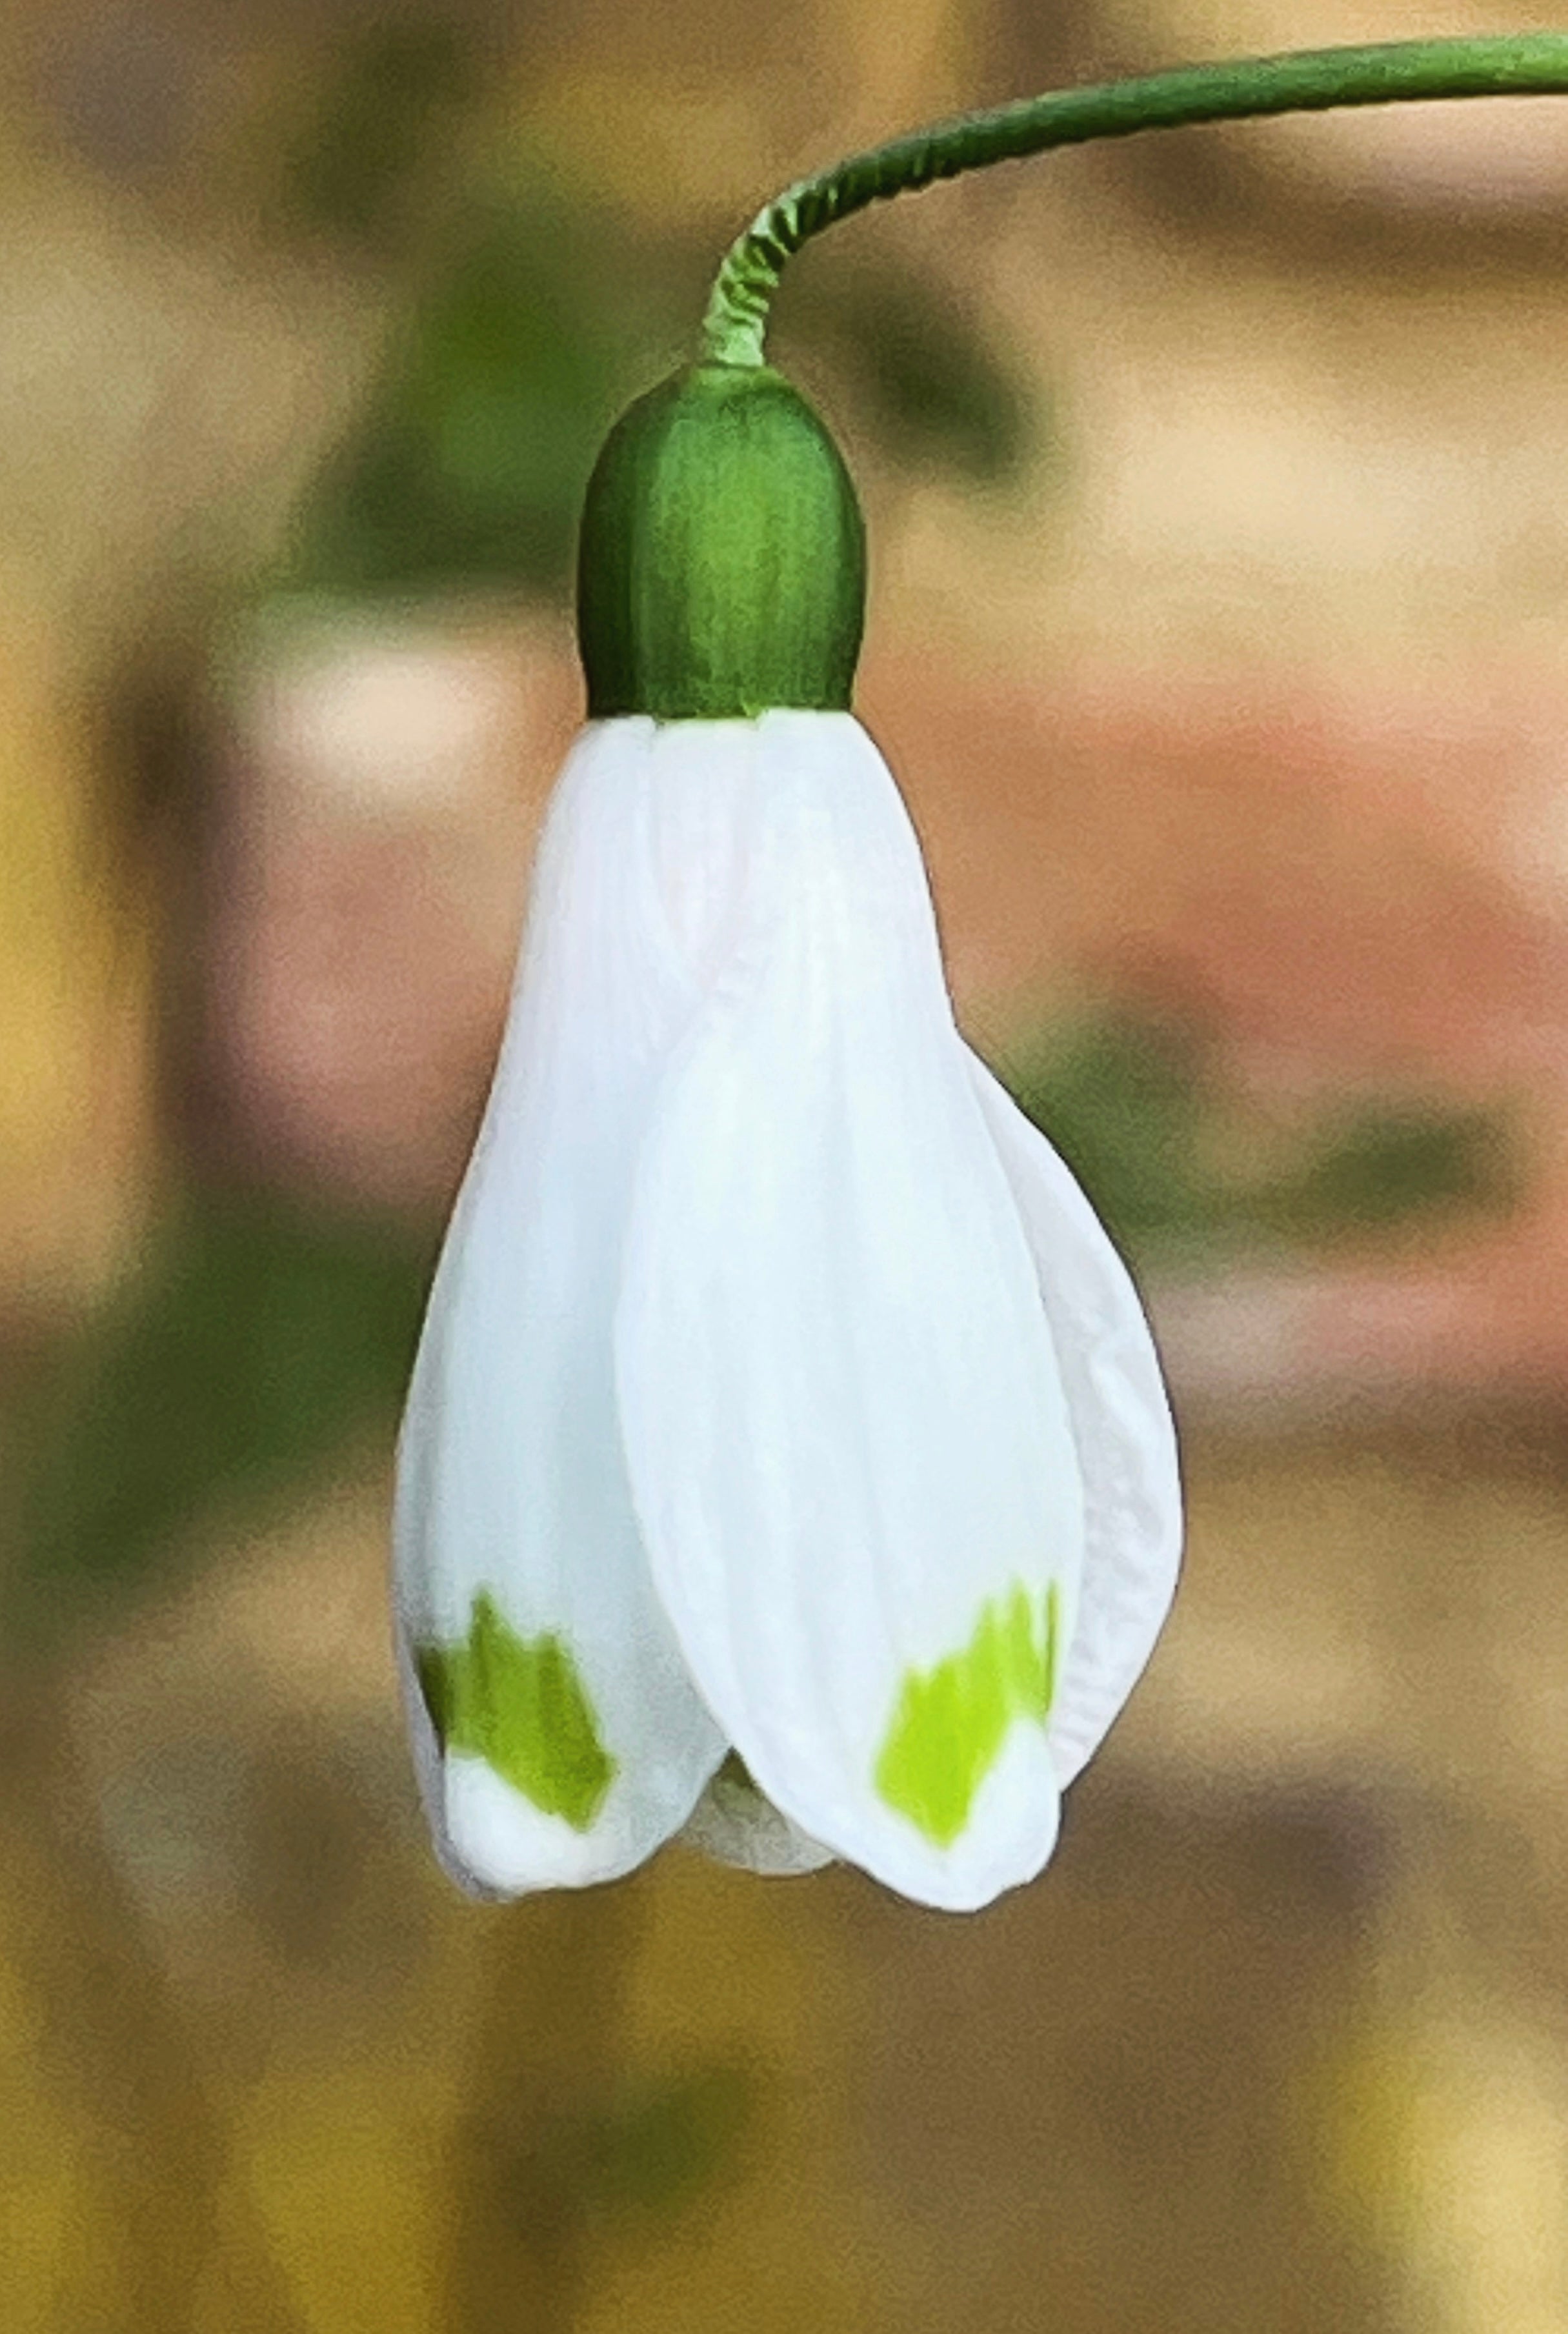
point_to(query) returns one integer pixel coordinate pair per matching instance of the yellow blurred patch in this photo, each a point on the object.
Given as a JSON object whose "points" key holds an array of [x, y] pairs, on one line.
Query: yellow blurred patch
{"points": [[75, 989]]}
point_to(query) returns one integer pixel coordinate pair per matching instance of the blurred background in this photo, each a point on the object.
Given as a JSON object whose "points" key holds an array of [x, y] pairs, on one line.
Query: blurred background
{"points": [[1219, 633]]}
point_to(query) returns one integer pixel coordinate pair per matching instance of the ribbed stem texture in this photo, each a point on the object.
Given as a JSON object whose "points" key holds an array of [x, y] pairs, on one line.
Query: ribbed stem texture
{"points": [[1523, 65]]}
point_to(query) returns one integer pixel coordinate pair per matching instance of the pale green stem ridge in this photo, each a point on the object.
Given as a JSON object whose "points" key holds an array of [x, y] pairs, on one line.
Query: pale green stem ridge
{"points": [[1521, 64]]}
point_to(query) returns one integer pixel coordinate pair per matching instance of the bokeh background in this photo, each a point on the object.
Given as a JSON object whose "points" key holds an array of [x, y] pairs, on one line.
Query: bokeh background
{"points": [[1219, 632]]}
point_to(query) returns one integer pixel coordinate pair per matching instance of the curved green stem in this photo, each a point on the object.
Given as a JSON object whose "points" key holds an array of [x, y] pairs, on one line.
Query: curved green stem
{"points": [[1522, 64]]}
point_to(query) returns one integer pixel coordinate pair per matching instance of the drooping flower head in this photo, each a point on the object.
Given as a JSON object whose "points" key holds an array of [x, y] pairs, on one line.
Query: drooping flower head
{"points": [[786, 1458]]}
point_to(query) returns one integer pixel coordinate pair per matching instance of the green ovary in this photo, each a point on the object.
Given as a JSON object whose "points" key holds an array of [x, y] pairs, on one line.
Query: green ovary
{"points": [[952, 1720], [519, 1704]]}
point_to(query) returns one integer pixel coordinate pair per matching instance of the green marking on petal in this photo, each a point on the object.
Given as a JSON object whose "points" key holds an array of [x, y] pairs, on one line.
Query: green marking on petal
{"points": [[519, 1704], [952, 1720]]}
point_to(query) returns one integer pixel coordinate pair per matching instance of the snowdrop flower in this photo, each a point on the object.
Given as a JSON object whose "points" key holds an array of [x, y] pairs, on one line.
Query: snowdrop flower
{"points": [[786, 1458]]}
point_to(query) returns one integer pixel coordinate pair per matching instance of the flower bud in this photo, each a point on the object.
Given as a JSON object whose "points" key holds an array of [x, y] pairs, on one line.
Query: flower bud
{"points": [[722, 557]]}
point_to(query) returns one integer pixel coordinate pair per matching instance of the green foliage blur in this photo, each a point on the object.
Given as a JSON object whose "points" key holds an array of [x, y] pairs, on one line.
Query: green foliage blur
{"points": [[935, 391], [356, 166], [1141, 1111], [667, 2141], [469, 466], [259, 1334]]}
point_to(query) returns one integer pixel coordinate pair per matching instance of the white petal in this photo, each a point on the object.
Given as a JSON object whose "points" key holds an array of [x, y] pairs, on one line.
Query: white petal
{"points": [[1121, 1426], [514, 1532], [734, 1822], [847, 1435]]}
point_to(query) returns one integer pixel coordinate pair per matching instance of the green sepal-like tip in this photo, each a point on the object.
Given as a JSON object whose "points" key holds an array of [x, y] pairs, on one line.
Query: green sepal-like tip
{"points": [[722, 561]]}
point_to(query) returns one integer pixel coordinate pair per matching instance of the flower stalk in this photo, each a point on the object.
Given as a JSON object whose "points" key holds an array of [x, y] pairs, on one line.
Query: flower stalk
{"points": [[1315, 80]]}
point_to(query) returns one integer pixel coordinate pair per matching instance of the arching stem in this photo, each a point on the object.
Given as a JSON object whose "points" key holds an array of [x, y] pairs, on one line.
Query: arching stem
{"points": [[1523, 65]]}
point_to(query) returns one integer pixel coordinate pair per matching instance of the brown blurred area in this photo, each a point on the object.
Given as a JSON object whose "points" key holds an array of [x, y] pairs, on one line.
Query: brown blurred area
{"points": [[1219, 635]]}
